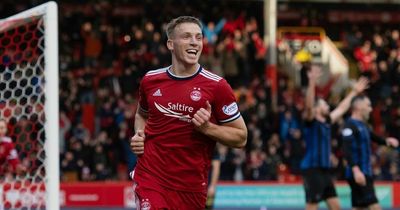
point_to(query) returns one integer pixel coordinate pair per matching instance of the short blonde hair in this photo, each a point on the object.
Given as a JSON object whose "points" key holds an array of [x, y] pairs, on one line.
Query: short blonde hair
{"points": [[179, 20]]}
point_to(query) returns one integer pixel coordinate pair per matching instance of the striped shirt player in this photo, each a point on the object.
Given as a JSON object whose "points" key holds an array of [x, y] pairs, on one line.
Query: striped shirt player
{"points": [[316, 165], [357, 146], [357, 138], [318, 149]]}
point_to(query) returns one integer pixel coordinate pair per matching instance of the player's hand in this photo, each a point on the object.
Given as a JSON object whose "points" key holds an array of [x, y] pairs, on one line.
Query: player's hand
{"points": [[359, 177], [137, 142], [211, 191], [201, 118], [361, 84], [390, 141]]}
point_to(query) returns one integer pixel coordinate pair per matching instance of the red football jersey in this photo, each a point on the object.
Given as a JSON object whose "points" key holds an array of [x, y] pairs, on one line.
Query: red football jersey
{"points": [[8, 155], [176, 155]]}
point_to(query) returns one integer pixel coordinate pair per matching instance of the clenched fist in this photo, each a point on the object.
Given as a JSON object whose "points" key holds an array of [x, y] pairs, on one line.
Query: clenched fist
{"points": [[137, 142]]}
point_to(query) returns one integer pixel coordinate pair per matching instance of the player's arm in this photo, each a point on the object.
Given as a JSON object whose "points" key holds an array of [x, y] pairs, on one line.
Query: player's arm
{"points": [[313, 74], [140, 119], [232, 134], [349, 137], [344, 105], [137, 141], [389, 141], [230, 129]]}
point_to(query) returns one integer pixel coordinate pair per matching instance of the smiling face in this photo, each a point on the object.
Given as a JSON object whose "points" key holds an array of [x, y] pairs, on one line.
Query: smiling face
{"points": [[186, 43]]}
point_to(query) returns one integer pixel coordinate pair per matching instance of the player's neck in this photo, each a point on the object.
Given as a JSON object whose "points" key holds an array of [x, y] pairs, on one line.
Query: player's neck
{"points": [[181, 70], [357, 116]]}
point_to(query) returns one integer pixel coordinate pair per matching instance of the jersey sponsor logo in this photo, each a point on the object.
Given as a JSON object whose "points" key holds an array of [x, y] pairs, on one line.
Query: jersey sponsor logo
{"points": [[157, 93], [145, 204], [347, 132], [231, 109], [195, 95], [172, 108]]}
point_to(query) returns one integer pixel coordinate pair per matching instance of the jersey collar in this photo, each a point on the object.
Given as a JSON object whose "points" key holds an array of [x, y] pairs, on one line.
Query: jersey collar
{"points": [[175, 77]]}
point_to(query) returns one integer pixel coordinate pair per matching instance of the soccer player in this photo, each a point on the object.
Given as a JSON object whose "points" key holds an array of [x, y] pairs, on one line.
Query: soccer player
{"points": [[9, 161], [317, 180], [357, 138], [183, 111]]}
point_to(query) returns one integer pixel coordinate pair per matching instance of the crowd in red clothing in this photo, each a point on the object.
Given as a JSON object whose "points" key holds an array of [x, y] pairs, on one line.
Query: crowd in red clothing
{"points": [[106, 47]]}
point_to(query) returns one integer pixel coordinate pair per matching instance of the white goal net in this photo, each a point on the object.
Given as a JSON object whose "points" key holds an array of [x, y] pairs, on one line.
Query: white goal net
{"points": [[29, 102]]}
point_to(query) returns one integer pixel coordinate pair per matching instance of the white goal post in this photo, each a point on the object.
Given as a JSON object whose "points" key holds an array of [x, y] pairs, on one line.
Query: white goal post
{"points": [[48, 85]]}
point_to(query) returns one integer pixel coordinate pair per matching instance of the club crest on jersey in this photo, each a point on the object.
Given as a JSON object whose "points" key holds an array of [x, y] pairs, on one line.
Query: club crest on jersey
{"points": [[231, 109], [145, 204], [195, 95]]}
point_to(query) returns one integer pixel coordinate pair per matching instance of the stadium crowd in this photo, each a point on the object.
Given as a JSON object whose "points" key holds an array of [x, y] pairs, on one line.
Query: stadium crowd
{"points": [[106, 47]]}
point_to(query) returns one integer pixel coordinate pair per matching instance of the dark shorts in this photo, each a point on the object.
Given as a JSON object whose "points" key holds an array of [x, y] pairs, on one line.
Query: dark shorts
{"points": [[318, 185], [362, 196]]}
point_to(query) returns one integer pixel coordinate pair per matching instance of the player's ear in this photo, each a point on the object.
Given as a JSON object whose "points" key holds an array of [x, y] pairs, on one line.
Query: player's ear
{"points": [[170, 44]]}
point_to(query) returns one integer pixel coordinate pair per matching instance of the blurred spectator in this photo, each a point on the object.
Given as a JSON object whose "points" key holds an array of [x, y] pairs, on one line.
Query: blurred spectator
{"points": [[212, 30]]}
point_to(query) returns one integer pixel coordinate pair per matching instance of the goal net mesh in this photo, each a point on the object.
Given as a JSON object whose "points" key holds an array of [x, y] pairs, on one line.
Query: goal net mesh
{"points": [[22, 99]]}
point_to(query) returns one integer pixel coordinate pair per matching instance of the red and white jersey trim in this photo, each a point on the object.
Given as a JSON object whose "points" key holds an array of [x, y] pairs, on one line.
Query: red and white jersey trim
{"points": [[210, 75], [158, 71], [237, 115]]}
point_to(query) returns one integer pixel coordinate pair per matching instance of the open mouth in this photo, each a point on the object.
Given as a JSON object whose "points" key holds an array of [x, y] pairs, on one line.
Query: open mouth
{"points": [[192, 52]]}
